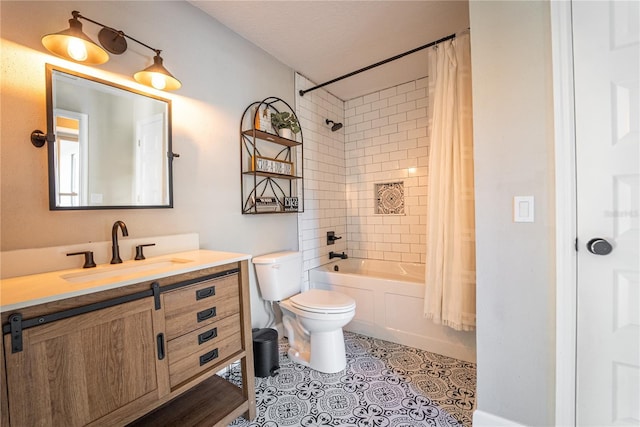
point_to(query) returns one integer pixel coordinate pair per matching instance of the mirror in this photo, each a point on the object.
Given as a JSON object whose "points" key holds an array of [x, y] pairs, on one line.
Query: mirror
{"points": [[111, 147]]}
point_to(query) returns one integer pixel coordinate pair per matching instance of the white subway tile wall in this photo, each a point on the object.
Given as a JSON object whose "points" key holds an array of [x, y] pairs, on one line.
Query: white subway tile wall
{"points": [[325, 203], [384, 139]]}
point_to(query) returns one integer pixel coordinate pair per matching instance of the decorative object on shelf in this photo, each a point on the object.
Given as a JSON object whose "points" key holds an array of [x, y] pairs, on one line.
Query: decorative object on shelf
{"points": [[266, 204], [271, 163], [265, 164], [262, 119], [285, 123], [291, 204], [75, 45], [390, 198]]}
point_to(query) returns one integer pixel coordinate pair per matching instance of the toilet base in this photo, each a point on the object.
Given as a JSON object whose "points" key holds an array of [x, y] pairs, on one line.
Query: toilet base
{"points": [[316, 339], [328, 353]]}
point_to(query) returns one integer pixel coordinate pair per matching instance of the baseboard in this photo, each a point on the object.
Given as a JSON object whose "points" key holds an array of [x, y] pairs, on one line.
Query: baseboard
{"points": [[485, 419]]}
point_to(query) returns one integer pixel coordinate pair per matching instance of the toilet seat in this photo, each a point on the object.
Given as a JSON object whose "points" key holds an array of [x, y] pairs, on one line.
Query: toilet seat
{"points": [[323, 301]]}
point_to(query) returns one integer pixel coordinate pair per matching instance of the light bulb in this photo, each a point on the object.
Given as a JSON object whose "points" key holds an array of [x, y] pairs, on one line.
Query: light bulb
{"points": [[158, 81], [77, 50]]}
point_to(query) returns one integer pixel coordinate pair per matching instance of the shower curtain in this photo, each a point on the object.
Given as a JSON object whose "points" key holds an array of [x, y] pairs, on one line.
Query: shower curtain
{"points": [[450, 293]]}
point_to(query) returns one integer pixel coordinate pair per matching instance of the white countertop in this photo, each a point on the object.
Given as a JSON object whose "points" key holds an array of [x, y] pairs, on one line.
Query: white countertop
{"points": [[26, 291]]}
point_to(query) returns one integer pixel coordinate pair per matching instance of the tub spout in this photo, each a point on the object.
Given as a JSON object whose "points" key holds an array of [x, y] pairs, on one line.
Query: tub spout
{"points": [[337, 255]]}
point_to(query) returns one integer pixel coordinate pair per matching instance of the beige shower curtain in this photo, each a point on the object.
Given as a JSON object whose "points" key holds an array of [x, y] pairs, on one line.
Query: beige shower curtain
{"points": [[450, 294]]}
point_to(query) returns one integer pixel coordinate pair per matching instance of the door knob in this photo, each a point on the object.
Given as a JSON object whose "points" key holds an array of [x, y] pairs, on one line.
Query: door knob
{"points": [[599, 246]]}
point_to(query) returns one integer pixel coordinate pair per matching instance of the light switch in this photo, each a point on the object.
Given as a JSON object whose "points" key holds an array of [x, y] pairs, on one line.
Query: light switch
{"points": [[523, 209]]}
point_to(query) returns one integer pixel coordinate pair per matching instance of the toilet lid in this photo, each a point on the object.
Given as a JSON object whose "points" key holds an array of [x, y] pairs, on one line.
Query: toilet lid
{"points": [[323, 301]]}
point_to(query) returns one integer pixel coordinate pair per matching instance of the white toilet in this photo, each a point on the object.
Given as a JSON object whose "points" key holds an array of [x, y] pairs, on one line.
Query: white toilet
{"points": [[313, 319]]}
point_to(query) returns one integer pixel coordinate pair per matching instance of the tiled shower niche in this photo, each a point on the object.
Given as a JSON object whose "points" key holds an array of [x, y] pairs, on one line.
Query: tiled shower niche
{"points": [[390, 198]]}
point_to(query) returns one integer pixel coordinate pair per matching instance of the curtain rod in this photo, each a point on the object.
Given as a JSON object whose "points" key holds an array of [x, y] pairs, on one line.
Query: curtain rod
{"points": [[377, 64]]}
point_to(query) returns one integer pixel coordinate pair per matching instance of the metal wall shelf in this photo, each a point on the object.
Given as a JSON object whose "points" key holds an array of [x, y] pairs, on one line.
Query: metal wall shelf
{"points": [[259, 143]]}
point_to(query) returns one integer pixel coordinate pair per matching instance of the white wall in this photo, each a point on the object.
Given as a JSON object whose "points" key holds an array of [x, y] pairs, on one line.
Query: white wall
{"points": [[221, 74], [513, 149], [387, 142]]}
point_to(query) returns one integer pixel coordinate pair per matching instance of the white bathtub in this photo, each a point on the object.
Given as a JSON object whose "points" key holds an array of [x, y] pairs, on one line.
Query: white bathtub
{"points": [[389, 305]]}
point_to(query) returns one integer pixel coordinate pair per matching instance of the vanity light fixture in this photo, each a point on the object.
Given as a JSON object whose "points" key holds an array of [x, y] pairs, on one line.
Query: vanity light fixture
{"points": [[157, 76], [75, 45]]}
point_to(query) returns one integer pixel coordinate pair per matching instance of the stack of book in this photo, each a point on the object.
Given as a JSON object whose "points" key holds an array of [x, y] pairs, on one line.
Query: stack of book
{"points": [[266, 204]]}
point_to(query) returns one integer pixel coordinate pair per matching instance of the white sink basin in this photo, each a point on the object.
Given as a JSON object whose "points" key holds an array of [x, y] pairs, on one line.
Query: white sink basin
{"points": [[119, 270]]}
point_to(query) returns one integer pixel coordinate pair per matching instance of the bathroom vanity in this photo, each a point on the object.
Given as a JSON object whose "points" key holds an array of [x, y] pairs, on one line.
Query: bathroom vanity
{"points": [[135, 344]]}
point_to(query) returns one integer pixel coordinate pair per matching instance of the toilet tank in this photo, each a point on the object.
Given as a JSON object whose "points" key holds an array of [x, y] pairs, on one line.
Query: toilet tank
{"points": [[279, 274]]}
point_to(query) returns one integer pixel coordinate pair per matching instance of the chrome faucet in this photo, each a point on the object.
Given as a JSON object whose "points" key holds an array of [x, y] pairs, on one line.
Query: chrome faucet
{"points": [[115, 250]]}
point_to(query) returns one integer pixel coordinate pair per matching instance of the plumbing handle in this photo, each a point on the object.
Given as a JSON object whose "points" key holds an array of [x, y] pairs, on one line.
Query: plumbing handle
{"points": [[331, 237], [88, 258], [139, 253]]}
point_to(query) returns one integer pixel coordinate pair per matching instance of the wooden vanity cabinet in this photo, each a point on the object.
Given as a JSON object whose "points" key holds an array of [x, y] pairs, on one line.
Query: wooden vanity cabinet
{"points": [[75, 371], [148, 361]]}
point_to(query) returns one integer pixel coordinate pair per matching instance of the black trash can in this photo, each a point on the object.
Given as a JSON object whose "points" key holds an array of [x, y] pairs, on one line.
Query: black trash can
{"points": [[265, 352]]}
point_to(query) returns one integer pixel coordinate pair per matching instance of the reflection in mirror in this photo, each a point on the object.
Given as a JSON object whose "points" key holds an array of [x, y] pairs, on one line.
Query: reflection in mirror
{"points": [[71, 138], [112, 145]]}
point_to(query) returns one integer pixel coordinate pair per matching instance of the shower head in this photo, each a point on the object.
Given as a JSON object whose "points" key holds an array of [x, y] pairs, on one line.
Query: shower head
{"points": [[335, 127]]}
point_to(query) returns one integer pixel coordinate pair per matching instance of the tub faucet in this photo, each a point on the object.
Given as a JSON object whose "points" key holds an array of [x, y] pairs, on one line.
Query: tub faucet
{"points": [[337, 255], [115, 250]]}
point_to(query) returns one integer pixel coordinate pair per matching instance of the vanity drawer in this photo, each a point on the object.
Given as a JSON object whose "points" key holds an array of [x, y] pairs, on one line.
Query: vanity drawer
{"points": [[203, 339], [201, 304], [204, 359]]}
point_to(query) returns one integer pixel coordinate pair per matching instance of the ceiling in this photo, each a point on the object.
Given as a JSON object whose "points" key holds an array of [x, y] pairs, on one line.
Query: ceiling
{"points": [[323, 40]]}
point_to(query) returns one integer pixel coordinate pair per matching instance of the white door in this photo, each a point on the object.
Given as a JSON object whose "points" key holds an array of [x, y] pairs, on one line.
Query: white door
{"points": [[606, 73], [151, 160], [72, 158]]}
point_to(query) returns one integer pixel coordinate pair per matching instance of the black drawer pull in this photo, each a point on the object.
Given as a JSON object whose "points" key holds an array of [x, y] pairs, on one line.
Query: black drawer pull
{"points": [[160, 342], [206, 314], [205, 293], [206, 336], [208, 357]]}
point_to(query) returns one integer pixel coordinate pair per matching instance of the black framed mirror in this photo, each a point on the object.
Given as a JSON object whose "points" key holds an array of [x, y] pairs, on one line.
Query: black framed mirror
{"points": [[111, 145]]}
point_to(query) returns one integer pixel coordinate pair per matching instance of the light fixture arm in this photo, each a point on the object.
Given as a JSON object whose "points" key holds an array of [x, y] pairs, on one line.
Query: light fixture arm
{"points": [[157, 51], [78, 15]]}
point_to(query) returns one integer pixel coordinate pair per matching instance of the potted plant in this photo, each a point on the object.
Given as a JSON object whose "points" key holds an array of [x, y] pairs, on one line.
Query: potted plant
{"points": [[285, 123]]}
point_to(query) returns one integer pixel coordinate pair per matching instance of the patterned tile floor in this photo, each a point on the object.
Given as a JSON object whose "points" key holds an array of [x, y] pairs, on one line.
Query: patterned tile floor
{"points": [[384, 385]]}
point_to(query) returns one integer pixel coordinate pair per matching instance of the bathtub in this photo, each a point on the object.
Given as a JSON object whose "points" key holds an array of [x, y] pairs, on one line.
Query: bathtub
{"points": [[389, 305]]}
